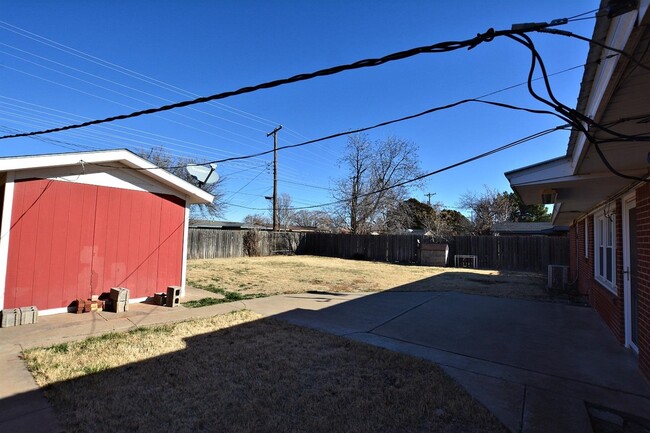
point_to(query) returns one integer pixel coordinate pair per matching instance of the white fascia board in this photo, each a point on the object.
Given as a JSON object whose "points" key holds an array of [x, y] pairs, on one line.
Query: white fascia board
{"points": [[122, 156], [643, 9], [619, 32], [542, 172]]}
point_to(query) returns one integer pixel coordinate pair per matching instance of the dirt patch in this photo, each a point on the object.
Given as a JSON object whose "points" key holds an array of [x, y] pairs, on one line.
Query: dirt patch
{"points": [[239, 374], [300, 274]]}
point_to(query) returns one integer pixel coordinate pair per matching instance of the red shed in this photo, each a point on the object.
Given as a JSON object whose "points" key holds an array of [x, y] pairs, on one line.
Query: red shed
{"points": [[76, 224]]}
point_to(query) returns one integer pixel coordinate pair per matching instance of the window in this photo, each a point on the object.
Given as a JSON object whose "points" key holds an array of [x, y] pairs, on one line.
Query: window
{"points": [[604, 251], [586, 238]]}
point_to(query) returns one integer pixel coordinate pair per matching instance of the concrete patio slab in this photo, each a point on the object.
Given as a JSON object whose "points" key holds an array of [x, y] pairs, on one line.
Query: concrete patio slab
{"points": [[533, 364]]}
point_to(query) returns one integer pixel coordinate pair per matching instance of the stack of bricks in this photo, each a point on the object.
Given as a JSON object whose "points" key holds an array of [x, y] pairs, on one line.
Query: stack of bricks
{"points": [[18, 316], [160, 298], [119, 297], [89, 305]]}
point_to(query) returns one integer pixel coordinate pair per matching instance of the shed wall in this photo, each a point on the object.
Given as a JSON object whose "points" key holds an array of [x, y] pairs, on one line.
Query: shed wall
{"points": [[70, 240]]}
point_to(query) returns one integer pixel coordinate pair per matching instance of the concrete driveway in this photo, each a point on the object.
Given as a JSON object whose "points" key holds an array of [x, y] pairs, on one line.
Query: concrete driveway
{"points": [[535, 365]]}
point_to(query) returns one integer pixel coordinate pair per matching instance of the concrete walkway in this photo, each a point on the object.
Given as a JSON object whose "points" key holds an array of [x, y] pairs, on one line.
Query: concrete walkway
{"points": [[533, 364]]}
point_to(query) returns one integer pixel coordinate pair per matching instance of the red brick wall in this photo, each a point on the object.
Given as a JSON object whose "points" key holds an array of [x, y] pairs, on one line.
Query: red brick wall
{"points": [[573, 237], [585, 265], [607, 304], [643, 275]]}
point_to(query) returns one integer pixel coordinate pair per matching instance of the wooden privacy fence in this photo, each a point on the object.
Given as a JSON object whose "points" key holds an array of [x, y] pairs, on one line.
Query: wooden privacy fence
{"points": [[524, 253], [211, 243], [384, 248]]}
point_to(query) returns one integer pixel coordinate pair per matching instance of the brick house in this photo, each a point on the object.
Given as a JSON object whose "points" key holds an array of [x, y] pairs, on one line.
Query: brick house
{"points": [[608, 214]]}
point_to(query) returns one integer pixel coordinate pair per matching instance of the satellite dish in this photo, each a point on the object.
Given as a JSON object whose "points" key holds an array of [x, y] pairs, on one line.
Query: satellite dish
{"points": [[204, 175]]}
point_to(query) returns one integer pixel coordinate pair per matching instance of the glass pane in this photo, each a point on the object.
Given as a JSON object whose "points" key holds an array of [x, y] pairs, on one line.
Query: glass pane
{"points": [[601, 259], [609, 266], [601, 232], [610, 233]]}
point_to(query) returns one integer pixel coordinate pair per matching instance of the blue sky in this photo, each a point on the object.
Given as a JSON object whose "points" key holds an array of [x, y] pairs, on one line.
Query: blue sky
{"points": [[67, 60]]}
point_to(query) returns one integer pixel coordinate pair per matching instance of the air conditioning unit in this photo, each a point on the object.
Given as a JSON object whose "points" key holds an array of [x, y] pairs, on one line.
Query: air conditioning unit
{"points": [[558, 276]]}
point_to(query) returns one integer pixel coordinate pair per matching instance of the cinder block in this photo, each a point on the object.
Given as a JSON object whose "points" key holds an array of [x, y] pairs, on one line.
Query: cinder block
{"points": [[173, 296], [28, 315], [119, 294], [10, 317], [121, 306]]}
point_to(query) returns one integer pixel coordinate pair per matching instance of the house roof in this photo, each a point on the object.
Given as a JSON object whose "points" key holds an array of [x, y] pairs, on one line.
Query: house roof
{"points": [[614, 91], [225, 225], [120, 159], [234, 225], [528, 228]]}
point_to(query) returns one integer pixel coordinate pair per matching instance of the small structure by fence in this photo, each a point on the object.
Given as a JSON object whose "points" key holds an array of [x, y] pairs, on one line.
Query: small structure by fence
{"points": [[524, 253]]}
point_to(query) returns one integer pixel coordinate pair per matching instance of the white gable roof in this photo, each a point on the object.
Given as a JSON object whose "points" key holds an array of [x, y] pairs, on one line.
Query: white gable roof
{"points": [[113, 159]]}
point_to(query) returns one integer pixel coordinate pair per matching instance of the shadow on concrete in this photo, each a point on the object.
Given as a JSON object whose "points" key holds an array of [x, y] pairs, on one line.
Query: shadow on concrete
{"points": [[533, 364], [267, 376]]}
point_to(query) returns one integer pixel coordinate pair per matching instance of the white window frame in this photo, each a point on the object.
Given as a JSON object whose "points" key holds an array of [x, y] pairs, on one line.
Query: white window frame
{"points": [[586, 238], [604, 243]]}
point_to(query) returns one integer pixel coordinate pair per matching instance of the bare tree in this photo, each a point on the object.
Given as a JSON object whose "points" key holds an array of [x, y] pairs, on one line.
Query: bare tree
{"points": [[436, 221], [176, 166], [487, 208], [313, 218], [284, 210], [258, 220], [370, 190]]}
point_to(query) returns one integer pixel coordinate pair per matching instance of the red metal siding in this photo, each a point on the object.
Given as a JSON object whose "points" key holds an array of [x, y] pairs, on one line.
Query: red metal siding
{"points": [[72, 240]]}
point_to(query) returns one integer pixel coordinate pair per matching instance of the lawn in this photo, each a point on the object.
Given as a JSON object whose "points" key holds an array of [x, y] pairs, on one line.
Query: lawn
{"points": [[259, 276], [238, 373]]}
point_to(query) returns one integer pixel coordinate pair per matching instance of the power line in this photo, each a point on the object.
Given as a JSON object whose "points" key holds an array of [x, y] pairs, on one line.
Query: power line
{"points": [[389, 122], [477, 99], [432, 173], [582, 14], [231, 109], [600, 44], [186, 125], [439, 47], [576, 119], [125, 71], [378, 125]]}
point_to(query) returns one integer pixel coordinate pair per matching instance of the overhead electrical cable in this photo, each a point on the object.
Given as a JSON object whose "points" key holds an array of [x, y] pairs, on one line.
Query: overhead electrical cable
{"points": [[577, 119], [439, 47], [121, 69], [378, 125], [432, 173], [146, 79], [595, 42]]}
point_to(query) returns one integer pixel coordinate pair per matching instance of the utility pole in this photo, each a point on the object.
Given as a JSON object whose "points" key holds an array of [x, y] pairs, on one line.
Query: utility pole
{"points": [[429, 196], [275, 176]]}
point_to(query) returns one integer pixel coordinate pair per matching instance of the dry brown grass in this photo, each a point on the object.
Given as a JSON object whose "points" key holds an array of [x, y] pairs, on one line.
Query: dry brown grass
{"points": [[236, 373], [298, 274]]}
